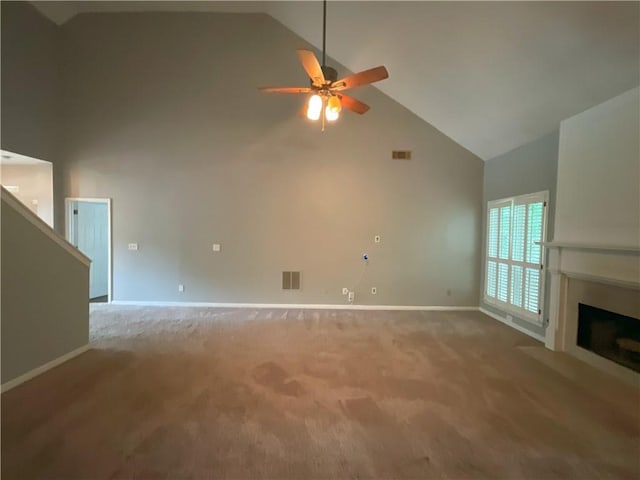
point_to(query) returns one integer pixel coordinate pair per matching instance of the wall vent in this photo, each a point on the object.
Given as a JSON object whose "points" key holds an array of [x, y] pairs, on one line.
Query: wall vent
{"points": [[401, 154], [291, 280]]}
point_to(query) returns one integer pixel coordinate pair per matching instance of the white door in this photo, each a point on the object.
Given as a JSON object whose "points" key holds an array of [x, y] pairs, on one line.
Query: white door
{"points": [[90, 231]]}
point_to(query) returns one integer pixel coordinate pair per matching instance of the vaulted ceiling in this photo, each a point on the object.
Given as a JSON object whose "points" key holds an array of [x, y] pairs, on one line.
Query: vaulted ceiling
{"points": [[490, 75]]}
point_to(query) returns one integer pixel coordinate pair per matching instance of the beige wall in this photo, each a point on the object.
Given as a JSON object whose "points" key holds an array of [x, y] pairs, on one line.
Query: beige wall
{"points": [[35, 183], [599, 174], [45, 292], [30, 88], [165, 118]]}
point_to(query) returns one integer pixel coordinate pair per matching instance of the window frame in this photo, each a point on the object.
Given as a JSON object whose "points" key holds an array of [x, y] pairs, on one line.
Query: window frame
{"points": [[507, 306]]}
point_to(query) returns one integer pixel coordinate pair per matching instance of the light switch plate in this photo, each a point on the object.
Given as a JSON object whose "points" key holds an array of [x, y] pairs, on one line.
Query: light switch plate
{"points": [[133, 246], [216, 247], [376, 239]]}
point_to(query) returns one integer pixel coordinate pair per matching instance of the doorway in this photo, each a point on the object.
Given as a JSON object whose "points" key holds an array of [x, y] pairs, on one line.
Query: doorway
{"points": [[88, 227]]}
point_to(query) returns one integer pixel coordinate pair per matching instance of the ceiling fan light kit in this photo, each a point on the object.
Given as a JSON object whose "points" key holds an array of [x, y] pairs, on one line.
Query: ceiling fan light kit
{"points": [[326, 100]]}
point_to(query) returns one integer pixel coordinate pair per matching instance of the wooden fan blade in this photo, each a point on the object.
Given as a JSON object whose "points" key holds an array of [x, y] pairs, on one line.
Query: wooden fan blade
{"points": [[362, 78], [352, 104], [311, 66], [284, 89]]}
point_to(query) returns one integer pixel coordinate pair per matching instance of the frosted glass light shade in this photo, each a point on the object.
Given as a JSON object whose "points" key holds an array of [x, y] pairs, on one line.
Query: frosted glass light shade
{"points": [[334, 104], [315, 107], [331, 115]]}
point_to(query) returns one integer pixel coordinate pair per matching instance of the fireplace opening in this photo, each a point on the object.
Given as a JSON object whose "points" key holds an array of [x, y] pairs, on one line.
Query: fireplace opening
{"points": [[610, 335]]}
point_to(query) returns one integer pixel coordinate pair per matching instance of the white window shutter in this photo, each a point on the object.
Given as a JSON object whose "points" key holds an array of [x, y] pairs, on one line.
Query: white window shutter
{"points": [[534, 231], [505, 232], [532, 290], [492, 279], [513, 268], [492, 233], [517, 285], [518, 232], [503, 282]]}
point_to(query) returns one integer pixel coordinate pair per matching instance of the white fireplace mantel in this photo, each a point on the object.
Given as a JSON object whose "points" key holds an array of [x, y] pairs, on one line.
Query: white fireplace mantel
{"points": [[617, 264], [589, 246], [609, 264]]}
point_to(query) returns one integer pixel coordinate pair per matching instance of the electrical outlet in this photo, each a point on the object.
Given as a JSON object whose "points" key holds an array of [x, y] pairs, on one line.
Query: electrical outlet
{"points": [[345, 291], [351, 297], [376, 239], [181, 288], [374, 290], [216, 247], [133, 246]]}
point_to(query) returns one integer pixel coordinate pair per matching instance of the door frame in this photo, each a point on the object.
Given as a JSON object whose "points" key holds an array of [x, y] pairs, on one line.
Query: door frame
{"points": [[68, 230]]}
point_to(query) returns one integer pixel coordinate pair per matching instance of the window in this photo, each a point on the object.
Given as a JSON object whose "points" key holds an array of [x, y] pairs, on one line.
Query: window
{"points": [[514, 268]]}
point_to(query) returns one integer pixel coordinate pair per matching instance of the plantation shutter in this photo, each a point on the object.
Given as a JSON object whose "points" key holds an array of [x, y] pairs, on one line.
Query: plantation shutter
{"points": [[517, 249], [514, 259], [492, 251], [498, 232], [535, 225]]}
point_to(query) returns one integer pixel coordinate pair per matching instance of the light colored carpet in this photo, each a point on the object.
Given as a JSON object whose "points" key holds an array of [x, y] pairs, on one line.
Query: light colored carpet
{"points": [[203, 393]]}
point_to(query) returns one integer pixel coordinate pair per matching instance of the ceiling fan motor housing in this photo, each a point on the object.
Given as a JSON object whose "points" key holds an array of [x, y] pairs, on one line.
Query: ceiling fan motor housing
{"points": [[330, 74]]}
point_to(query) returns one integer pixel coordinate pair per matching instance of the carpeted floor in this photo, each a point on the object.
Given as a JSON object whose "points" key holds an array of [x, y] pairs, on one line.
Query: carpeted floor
{"points": [[201, 393]]}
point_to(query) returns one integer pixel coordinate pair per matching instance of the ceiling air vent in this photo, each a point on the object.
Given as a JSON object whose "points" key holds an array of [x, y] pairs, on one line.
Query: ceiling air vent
{"points": [[401, 154], [291, 280]]}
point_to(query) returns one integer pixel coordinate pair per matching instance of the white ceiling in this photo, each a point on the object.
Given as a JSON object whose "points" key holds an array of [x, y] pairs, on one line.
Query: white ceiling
{"points": [[10, 158], [490, 75], [62, 11]]}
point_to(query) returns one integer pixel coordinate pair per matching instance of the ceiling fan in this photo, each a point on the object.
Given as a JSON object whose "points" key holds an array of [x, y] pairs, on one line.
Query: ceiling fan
{"points": [[326, 99]]}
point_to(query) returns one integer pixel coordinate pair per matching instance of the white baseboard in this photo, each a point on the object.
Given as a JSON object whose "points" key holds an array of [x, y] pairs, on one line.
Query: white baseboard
{"points": [[42, 368], [295, 306], [512, 324]]}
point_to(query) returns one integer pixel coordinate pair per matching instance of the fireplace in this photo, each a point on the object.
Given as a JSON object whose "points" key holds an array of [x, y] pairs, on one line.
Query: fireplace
{"points": [[611, 335], [605, 279]]}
